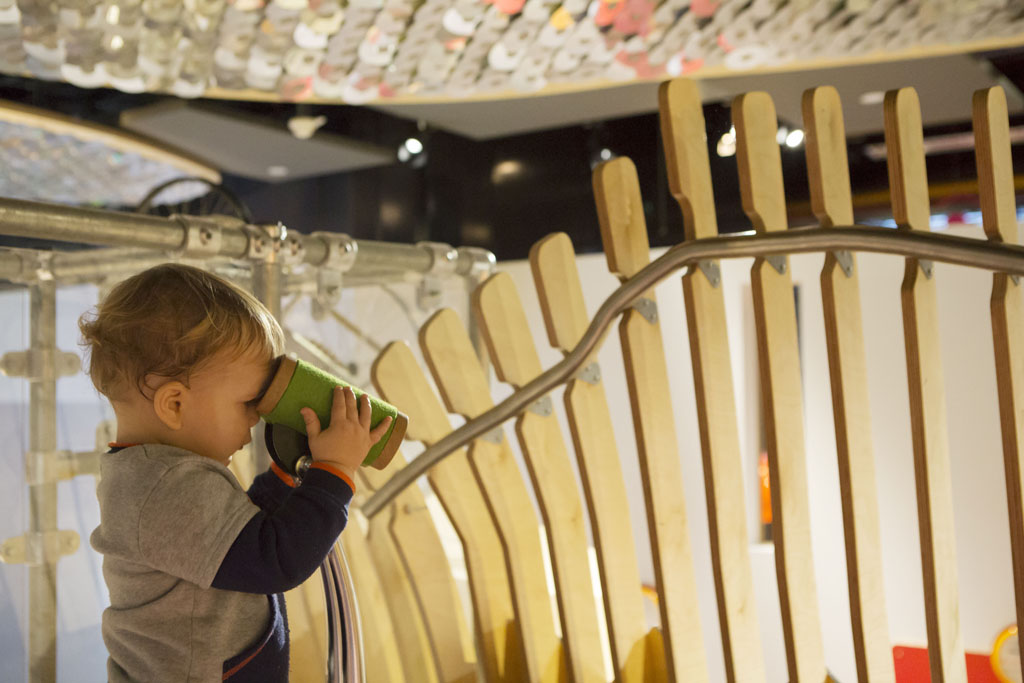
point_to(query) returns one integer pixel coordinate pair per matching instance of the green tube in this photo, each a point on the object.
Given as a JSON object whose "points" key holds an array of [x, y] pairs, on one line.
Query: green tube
{"points": [[297, 385]]}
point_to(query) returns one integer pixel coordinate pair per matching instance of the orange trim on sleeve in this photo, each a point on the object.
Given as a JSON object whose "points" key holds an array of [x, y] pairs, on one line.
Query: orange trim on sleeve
{"points": [[282, 475], [336, 472]]}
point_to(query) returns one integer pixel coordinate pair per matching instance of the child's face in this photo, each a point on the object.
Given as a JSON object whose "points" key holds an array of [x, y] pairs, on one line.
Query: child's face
{"points": [[221, 408]]}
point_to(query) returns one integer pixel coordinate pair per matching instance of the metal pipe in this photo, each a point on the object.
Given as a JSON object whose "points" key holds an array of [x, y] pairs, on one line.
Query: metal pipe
{"points": [[963, 251], [354, 666], [61, 223], [42, 497]]}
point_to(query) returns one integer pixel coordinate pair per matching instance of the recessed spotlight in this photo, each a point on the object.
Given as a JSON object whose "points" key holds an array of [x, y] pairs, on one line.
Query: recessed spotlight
{"points": [[795, 138], [413, 145], [277, 171], [727, 145], [606, 154], [780, 134]]}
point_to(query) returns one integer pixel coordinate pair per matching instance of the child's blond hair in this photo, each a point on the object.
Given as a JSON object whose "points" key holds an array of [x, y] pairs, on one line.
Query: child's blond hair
{"points": [[166, 322]]}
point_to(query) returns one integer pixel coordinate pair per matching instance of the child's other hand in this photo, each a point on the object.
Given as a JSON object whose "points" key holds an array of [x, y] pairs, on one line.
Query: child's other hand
{"points": [[348, 438]]}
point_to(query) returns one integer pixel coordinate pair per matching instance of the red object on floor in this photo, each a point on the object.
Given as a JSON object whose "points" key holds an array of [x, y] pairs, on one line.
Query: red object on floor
{"points": [[912, 666]]}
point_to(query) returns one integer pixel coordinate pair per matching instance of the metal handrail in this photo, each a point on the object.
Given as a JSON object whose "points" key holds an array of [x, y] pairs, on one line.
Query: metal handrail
{"points": [[915, 244]]}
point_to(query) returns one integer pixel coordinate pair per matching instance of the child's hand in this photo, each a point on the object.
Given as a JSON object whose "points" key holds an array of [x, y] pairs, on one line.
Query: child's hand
{"points": [[348, 438]]}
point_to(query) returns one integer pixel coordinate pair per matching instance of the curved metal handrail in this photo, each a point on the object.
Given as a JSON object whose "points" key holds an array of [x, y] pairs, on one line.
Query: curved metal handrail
{"points": [[916, 244]]}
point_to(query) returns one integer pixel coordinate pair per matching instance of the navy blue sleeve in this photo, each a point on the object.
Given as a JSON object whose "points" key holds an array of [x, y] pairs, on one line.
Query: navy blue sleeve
{"points": [[277, 550], [268, 491]]}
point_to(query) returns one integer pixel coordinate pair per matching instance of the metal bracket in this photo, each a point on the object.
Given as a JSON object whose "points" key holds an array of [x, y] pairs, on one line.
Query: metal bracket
{"points": [[778, 262], [262, 243], [29, 364], [290, 248], [647, 308], [444, 257], [927, 267], [202, 238], [712, 271], [542, 407], [38, 548], [495, 436], [428, 293], [341, 251], [591, 374], [475, 261], [1015, 279], [845, 261], [48, 467]]}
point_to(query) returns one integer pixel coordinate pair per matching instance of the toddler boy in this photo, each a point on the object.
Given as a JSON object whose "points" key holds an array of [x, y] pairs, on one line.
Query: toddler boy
{"points": [[196, 565]]}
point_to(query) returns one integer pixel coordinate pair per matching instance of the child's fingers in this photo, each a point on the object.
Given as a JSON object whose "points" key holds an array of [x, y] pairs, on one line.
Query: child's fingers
{"points": [[339, 410], [380, 430], [351, 410], [365, 412], [312, 422]]}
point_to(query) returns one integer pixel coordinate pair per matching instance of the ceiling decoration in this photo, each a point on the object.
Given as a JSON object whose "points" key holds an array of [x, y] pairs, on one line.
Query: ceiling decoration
{"points": [[357, 51], [49, 157]]}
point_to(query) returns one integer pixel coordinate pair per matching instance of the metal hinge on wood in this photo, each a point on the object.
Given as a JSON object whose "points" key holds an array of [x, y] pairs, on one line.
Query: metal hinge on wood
{"points": [[648, 308], [35, 548], [591, 374]]}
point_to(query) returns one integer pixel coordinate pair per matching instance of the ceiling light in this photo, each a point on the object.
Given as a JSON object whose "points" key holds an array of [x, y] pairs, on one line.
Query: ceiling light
{"points": [[504, 171], [413, 145], [606, 154], [727, 145], [780, 134], [795, 138], [277, 171]]}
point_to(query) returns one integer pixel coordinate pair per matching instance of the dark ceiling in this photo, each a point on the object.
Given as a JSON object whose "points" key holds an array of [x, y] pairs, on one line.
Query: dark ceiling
{"points": [[456, 197]]}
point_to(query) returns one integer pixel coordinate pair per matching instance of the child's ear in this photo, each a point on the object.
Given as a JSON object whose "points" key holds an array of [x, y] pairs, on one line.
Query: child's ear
{"points": [[168, 402]]}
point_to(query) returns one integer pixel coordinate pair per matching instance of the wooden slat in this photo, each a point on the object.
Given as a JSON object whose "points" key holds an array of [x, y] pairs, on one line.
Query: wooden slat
{"points": [[463, 386], [999, 214], [624, 234], [686, 155], [831, 201], [561, 301], [383, 660], [760, 171], [401, 381], [423, 557], [507, 335], [908, 185], [414, 648]]}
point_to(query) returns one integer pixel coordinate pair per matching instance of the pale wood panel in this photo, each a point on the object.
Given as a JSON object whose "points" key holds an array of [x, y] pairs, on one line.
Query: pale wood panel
{"points": [[410, 631], [463, 386], [999, 214], [400, 380], [760, 171], [561, 301], [381, 655], [419, 546], [831, 201], [686, 156], [624, 234], [511, 348], [908, 185]]}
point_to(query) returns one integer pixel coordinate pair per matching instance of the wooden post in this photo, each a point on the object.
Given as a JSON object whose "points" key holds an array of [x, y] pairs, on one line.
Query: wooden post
{"points": [[760, 171], [411, 633], [829, 178], [624, 234], [999, 214], [418, 544], [464, 388], [689, 176], [380, 648], [908, 183], [401, 381], [510, 346], [561, 302]]}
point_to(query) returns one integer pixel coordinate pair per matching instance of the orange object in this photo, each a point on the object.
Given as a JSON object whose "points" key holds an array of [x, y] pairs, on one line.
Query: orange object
{"points": [[911, 665], [766, 489]]}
